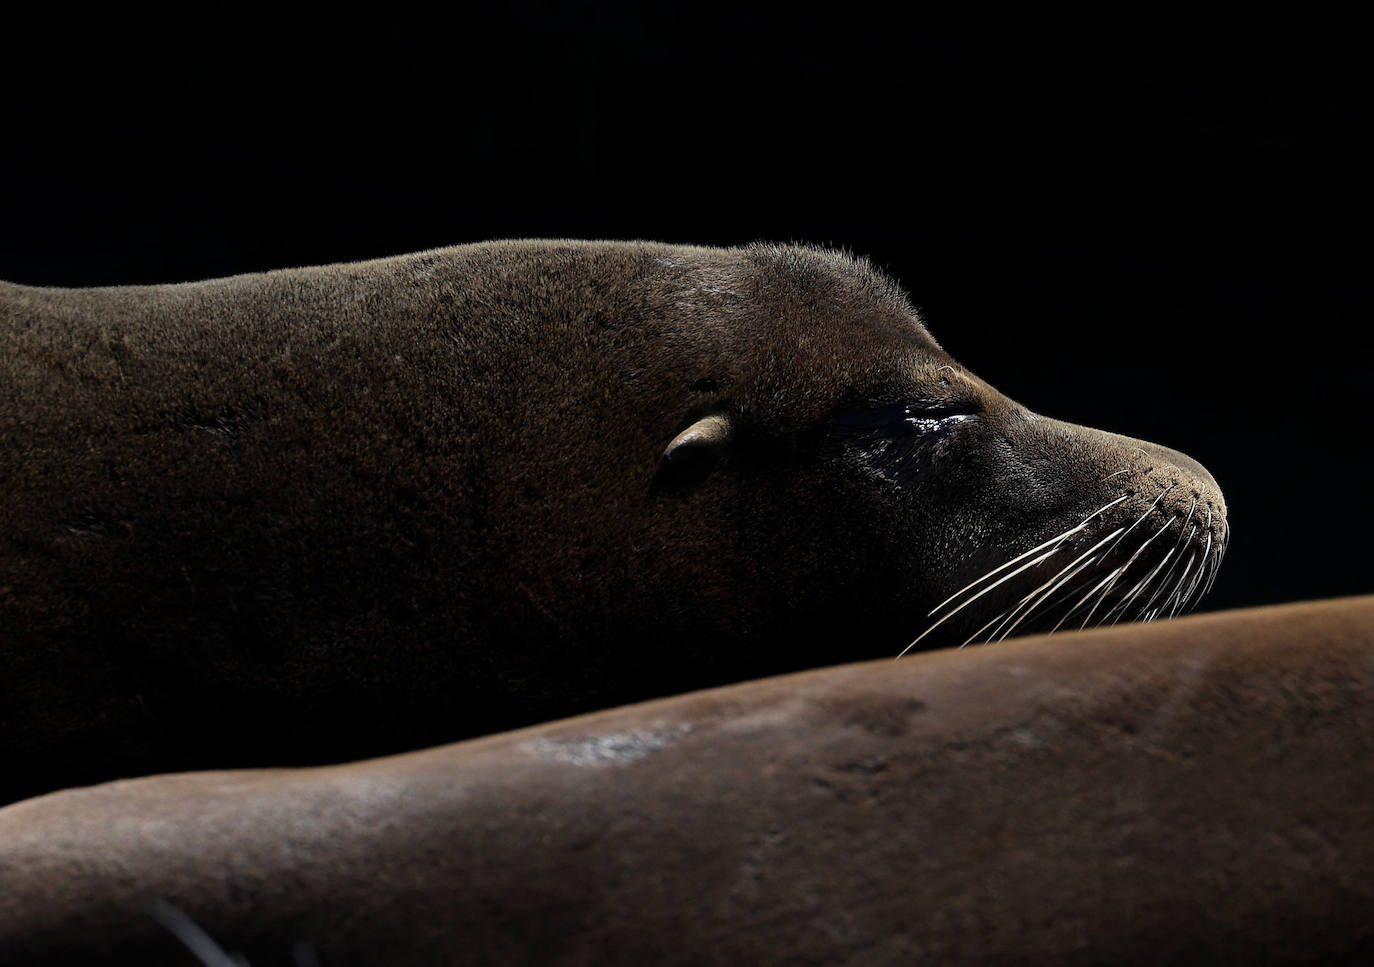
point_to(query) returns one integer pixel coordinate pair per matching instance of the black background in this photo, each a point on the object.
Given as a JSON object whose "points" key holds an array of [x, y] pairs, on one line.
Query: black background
{"points": [[1157, 226]]}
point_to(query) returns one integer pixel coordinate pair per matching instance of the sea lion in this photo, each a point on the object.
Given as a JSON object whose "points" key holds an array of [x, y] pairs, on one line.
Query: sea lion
{"points": [[323, 513], [1183, 792]]}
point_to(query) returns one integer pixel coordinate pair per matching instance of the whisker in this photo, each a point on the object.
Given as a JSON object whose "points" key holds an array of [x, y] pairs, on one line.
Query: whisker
{"points": [[1168, 577], [1054, 544], [1147, 513], [1140, 585], [1040, 596], [1139, 551], [999, 581], [1175, 584], [1076, 571], [1079, 603], [971, 638], [1216, 567], [1182, 540], [1057, 581], [1115, 576], [1003, 636], [1060, 538], [1202, 568], [1191, 507], [1182, 578], [1163, 581]]}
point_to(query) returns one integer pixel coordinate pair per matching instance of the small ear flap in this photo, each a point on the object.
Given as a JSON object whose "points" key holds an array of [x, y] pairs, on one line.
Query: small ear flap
{"points": [[695, 452]]}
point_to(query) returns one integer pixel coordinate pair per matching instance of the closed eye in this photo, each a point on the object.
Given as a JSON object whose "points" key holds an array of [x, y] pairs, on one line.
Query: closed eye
{"points": [[915, 416], [891, 440]]}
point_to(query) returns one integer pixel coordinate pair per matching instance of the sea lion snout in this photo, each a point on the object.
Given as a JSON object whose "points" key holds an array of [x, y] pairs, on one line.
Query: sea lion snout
{"points": [[1188, 477], [1162, 484], [1106, 528]]}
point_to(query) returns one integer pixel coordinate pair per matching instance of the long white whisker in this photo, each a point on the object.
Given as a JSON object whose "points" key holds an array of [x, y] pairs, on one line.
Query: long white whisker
{"points": [[1216, 565], [1182, 578], [971, 638], [1201, 570], [1095, 560], [1147, 513], [1169, 575], [1110, 577], [1191, 507], [1108, 589], [1058, 539], [1163, 581], [1178, 585], [1057, 582], [1060, 583], [1079, 603], [1140, 585], [975, 597], [1215, 568]]}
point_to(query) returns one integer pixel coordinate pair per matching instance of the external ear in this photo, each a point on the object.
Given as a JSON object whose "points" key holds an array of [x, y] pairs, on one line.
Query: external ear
{"points": [[694, 453]]}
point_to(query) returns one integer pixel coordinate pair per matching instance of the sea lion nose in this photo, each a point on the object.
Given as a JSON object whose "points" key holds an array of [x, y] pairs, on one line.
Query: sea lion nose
{"points": [[1189, 470], [1161, 479], [1190, 480]]}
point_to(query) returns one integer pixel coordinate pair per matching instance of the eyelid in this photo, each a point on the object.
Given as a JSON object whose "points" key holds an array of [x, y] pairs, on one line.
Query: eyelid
{"points": [[924, 423], [937, 409], [917, 414], [893, 442]]}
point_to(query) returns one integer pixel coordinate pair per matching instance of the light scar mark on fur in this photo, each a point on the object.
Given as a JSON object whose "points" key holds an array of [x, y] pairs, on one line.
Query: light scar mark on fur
{"points": [[607, 749]]}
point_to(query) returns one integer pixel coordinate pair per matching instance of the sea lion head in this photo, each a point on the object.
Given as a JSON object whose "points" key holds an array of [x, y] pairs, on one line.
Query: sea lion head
{"points": [[830, 474]]}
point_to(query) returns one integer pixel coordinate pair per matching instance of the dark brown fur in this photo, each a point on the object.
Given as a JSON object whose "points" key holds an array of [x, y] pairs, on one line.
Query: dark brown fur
{"points": [[1192, 791], [324, 513]]}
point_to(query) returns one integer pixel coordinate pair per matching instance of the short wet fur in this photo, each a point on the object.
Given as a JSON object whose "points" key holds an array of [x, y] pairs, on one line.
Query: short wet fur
{"points": [[325, 513]]}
